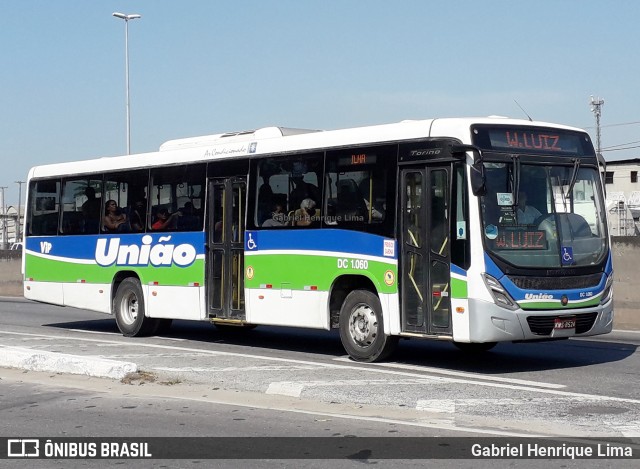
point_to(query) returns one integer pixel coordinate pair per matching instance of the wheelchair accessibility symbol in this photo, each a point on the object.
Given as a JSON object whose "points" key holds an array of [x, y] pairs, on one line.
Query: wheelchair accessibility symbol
{"points": [[251, 244], [567, 255]]}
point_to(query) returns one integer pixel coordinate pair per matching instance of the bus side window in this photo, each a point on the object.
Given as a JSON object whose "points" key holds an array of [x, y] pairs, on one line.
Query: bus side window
{"points": [[282, 185], [180, 191], [81, 205]]}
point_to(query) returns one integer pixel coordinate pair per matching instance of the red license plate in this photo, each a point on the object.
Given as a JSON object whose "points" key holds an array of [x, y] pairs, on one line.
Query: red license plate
{"points": [[565, 323]]}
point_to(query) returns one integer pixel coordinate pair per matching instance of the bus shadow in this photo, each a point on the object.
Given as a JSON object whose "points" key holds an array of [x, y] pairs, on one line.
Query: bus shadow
{"points": [[508, 357], [504, 358], [262, 337]]}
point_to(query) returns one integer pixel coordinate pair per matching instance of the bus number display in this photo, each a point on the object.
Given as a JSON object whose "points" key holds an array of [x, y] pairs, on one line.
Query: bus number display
{"points": [[521, 239]]}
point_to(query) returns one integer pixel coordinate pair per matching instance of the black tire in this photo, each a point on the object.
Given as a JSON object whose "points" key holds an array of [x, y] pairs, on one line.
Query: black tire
{"points": [[361, 328], [468, 347], [128, 308]]}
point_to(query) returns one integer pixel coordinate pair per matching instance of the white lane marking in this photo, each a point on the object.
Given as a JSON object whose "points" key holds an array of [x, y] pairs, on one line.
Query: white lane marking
{"points": [[630, 431], [220, 369], [451, 405], [424, 379], [464, 374], [375, 369], [286, 388], [443, 406]]}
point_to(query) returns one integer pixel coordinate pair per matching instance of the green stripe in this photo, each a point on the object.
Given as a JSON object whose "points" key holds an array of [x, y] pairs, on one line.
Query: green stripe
{"points": [[49, 270], [558, 305], [298, 271], [459, 288]]}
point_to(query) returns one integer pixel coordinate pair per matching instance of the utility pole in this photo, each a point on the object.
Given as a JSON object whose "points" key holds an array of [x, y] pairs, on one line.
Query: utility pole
{"points": [[4, 218], [596, 108]]}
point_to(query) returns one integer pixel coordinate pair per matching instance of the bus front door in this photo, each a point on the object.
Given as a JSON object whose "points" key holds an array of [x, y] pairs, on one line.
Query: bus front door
{"points": [[225, 249], [425, 260]]}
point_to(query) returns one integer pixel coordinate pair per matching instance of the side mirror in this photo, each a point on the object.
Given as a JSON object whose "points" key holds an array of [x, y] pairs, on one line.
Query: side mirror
{"points": [[478, 179]]}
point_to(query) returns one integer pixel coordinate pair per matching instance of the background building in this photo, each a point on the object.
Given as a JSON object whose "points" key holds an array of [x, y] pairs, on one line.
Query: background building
{"points": [[623, 196]]}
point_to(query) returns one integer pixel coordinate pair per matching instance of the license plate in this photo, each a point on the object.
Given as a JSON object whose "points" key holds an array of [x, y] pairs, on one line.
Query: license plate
{"points": [[564, 323]]}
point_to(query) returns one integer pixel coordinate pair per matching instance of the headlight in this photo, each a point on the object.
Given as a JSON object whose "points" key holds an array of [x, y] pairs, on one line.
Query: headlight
{"points": [[607, 293], [500, 296]]}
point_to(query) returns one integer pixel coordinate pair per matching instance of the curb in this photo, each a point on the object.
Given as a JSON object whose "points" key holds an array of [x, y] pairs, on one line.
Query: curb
{"points": [[41, 360]]}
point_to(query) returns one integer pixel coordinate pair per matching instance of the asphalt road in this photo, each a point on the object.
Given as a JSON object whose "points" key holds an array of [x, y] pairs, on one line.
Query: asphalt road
{"points": [[294, 382]]}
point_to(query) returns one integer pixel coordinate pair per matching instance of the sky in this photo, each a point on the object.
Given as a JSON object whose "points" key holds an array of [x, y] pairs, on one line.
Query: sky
{"points": [[200, 67]]}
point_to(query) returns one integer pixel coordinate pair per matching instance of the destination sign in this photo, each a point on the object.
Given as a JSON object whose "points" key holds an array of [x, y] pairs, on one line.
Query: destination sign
{"points": [[521, 239], [548, 141]]}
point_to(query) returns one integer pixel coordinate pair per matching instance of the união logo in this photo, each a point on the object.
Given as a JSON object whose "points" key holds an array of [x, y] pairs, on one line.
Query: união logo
{"points": [[538, 296], [110, 251]]}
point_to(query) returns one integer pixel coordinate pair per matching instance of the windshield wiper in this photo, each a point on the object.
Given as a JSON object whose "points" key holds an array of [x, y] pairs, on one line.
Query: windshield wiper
{"points": [[574, 176], [515, 185]]}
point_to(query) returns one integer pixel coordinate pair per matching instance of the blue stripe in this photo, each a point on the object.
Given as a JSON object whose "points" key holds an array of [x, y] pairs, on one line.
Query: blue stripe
{"points": [[354, 242], [457, 270], [84, 247]]}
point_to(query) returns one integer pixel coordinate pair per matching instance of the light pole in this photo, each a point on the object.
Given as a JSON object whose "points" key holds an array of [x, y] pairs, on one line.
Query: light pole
{"points": [[18, 226], [4, 219], [126, 19]]}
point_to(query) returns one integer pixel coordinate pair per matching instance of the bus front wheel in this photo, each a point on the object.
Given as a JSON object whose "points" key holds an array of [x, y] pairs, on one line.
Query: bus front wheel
{"points": [[361, 328], [128, 307]]}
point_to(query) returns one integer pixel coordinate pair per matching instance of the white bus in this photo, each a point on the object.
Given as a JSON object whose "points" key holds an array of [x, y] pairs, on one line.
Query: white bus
{"points": [[416, 229]]}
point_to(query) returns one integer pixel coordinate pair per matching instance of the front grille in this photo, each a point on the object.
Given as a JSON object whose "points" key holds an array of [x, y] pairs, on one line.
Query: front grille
{"points": [[543, 325], [556, 283]]}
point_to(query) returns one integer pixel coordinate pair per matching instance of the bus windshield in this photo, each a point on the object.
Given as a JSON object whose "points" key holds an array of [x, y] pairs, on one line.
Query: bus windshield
{"points": [[544, 216]]}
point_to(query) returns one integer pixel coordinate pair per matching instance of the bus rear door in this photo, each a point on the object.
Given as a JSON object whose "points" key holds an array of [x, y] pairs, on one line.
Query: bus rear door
{"points": [[225, 253]]}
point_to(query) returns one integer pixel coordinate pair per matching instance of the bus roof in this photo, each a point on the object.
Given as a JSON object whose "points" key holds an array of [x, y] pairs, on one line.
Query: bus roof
{"points": [[278, 140]]}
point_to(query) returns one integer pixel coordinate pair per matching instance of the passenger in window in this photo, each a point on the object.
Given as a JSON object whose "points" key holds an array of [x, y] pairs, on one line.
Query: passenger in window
{"points": [[526, 214], [91, 211], [278, 217], [189, 220], [114, 220], [165, 220], [265, 195], [302, 190], [306, 214], [138, 215]]}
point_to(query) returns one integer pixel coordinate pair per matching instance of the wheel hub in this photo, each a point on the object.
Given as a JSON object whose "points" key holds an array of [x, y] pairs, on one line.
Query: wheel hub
{"points": [[129, 308], [363, 325]]}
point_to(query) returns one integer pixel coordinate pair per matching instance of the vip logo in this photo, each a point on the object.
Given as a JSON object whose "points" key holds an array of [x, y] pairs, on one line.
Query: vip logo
{"points": [[23, 448], [45, 247]]}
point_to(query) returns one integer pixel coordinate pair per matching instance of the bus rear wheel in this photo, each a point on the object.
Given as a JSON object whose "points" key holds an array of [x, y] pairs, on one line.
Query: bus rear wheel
{"points": [[361, 328], [128, 307]]}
